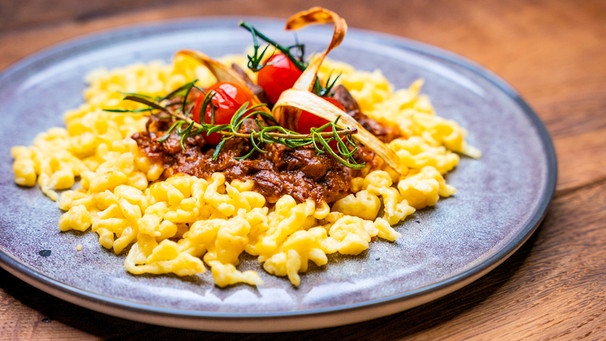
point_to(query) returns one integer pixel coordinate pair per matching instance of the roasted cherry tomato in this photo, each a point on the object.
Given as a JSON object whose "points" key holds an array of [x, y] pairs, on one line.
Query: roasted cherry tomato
{"points": [[228, 98], [308, 120], [279, 74]]}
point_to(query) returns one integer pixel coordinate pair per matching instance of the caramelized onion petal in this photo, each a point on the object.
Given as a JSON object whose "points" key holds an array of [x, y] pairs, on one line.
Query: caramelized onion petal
{"points": [[303, 100], [222, 72], [316, 15]]}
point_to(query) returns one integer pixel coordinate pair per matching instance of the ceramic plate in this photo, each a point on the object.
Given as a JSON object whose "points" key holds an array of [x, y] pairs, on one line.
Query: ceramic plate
{"points": [[501, 197]]}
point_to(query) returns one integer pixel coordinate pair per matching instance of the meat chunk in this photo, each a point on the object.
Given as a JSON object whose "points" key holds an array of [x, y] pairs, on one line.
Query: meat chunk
{"points": [[383, 132], [255, 88]]}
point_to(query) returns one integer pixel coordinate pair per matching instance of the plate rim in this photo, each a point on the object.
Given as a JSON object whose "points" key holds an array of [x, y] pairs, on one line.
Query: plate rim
{"points": [[421, 295]]}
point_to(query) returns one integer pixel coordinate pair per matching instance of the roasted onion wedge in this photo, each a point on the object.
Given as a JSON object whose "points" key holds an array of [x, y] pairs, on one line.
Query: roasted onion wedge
{"points": [[300, 98], [286, 114], [222, 72], [316, 15], [307, 101]]}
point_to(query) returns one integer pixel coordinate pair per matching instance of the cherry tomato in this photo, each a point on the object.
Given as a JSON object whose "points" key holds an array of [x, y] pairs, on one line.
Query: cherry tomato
{"points": [[228, 98], [278, 75], [308, 120]]}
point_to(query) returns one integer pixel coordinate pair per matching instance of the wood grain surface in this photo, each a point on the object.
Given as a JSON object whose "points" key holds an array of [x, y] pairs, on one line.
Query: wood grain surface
{"points": [[552, 52]]}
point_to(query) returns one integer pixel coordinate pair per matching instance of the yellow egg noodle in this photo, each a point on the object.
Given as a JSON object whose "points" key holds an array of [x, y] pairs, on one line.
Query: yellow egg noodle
{"points": [[184, 224]]}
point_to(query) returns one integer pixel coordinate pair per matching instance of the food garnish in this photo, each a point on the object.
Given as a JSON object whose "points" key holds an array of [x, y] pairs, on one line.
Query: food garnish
{"points": [[290, 85]]}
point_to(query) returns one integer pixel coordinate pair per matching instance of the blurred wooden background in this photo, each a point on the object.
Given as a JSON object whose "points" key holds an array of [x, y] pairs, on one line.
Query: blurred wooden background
{"points": [[553, 52]]}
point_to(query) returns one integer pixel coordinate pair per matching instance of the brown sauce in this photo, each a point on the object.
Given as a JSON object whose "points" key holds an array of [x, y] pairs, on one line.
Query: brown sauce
{"points": [[301, 173]]}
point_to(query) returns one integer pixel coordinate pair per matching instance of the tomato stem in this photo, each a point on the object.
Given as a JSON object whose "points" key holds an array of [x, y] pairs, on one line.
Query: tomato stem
{"points": [[256, 58]]}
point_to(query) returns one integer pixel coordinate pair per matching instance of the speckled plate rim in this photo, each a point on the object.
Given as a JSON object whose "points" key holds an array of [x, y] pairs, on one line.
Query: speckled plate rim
{"points": [[299, 320]]}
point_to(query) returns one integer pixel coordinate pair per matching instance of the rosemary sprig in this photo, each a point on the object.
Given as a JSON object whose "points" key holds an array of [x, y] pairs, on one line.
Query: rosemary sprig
{"points": [[325, 90], [269, 130], [254, 61]]}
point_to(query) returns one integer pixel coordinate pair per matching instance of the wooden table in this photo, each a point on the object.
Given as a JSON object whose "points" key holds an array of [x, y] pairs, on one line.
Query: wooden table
{"points": [[552, 52]]}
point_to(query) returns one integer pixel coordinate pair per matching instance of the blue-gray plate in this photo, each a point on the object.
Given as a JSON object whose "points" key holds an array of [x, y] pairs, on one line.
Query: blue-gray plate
{"points": [[501, 198]]}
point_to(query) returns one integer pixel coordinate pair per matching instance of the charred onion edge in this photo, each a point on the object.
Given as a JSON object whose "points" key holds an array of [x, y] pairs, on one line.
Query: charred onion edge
{"points": [[316, 15], [301, 98], [305, 100]]}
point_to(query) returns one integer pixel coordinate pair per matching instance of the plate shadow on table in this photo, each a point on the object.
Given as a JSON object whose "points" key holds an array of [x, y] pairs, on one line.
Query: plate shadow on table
{"points": [[412, 321]]}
